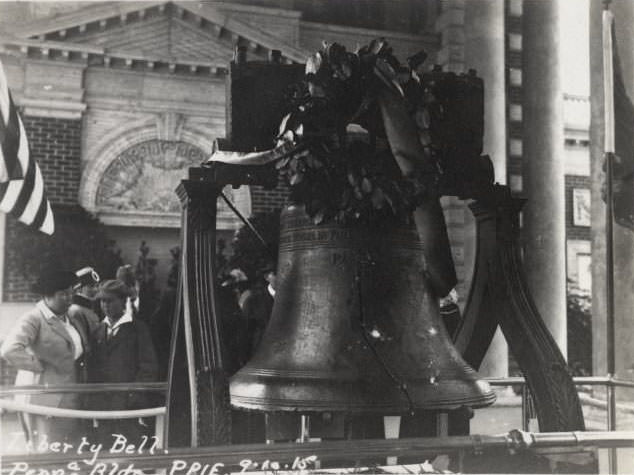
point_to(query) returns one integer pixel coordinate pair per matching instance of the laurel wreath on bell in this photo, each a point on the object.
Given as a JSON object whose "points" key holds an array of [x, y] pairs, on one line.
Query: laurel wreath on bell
{"points": [[341, 166]]}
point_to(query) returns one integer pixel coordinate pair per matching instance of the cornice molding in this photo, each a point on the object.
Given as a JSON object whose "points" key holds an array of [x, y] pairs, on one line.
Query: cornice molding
{"points": [[52, 38], [95, 57]]}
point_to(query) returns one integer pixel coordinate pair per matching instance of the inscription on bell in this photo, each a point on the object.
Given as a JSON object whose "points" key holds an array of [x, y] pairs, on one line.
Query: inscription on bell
{"points": [[326, 236]]}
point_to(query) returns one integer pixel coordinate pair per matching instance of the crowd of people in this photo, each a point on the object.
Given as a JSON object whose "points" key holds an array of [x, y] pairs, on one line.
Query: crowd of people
{"points": [[83, 330], [245, 308], [87, 330]]}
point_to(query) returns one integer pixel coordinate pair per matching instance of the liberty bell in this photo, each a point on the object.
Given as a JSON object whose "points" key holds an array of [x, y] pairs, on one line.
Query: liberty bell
{"points": [[355, 328]]}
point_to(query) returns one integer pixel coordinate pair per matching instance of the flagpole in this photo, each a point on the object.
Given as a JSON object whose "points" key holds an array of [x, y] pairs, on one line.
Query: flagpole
{"points": [[609, 149], [608, 78]]}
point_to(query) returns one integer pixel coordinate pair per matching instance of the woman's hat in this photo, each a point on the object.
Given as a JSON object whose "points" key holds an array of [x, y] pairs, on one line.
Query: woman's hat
{"points": [[53, 280], [113, 288]]}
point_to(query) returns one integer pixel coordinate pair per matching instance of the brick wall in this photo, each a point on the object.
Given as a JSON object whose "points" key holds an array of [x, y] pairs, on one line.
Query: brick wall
{"points": [[55, 145], [17, 280], [268, 200]]}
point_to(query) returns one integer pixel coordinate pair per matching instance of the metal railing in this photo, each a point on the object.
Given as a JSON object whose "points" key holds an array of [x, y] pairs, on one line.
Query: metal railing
{"points": [[608, 381], [82, 388], [299, 457], [401, 447]]}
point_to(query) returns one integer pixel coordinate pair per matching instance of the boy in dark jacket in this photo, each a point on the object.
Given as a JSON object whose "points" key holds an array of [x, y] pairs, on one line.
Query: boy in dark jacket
{"points": [[122, 353]]}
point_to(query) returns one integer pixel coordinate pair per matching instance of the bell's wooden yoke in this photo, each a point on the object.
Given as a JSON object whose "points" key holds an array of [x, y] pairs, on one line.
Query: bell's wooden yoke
{"points": [[198, 410], [499, 295]]}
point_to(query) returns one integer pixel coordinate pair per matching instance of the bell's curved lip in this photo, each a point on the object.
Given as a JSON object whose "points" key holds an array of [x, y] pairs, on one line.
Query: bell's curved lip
{"points": [[312, 395]]}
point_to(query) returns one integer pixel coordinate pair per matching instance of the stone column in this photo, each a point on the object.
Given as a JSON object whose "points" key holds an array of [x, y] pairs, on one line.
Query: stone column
{"points": [[484, 52], [623, 11], [543, 145]]}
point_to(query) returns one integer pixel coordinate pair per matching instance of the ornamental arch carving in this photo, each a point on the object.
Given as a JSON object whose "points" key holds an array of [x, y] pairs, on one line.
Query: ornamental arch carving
{"points": [[131, 174]]}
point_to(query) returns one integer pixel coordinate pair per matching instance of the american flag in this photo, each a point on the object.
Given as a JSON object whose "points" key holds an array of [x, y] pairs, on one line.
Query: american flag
{"points": [[21, 184]]}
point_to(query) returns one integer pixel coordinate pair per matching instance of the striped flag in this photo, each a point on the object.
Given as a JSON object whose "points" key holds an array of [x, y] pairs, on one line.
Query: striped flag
{"points": [[21, 184]]}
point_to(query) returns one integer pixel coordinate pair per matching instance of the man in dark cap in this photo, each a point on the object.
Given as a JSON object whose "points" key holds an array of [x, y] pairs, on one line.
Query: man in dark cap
{"points": [[123, 353], [84, 305], [50, 347]]}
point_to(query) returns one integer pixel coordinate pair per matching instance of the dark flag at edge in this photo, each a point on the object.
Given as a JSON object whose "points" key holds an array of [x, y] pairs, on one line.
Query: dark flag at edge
{"points": [[623, 178]]}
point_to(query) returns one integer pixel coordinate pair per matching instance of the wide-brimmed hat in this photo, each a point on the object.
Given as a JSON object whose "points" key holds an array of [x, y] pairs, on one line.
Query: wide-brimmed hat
{"points": [[113, 288], [125, 273], [53, 280], [87, 276]]}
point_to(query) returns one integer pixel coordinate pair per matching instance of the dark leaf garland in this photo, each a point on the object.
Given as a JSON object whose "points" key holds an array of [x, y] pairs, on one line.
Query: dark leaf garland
{"points": [[344, 169]]}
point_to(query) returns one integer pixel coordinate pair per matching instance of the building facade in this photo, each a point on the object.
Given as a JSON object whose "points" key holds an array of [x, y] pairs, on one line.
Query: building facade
{"points": [[120, 98]]}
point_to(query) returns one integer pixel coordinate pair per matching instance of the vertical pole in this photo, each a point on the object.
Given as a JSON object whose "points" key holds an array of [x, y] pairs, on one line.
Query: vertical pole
{"points": [[525, 411], [609, 148], [159, 428], [304, 434], [612, 454]]}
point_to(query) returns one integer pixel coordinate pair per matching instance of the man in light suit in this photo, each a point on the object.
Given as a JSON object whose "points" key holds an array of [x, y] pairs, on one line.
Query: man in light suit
{"points": [[46, 342]]}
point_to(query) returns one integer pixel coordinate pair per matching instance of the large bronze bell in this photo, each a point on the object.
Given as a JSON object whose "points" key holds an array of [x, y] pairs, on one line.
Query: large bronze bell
{"points": [[355, 328]]}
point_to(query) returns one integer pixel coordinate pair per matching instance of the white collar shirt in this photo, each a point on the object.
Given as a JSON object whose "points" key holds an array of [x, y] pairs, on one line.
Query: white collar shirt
{"points": [[78, 348], [113, 328]]}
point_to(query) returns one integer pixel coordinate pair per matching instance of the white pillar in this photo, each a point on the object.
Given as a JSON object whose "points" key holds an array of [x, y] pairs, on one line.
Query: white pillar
{"points": [[543, 150], [484, 52]]}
